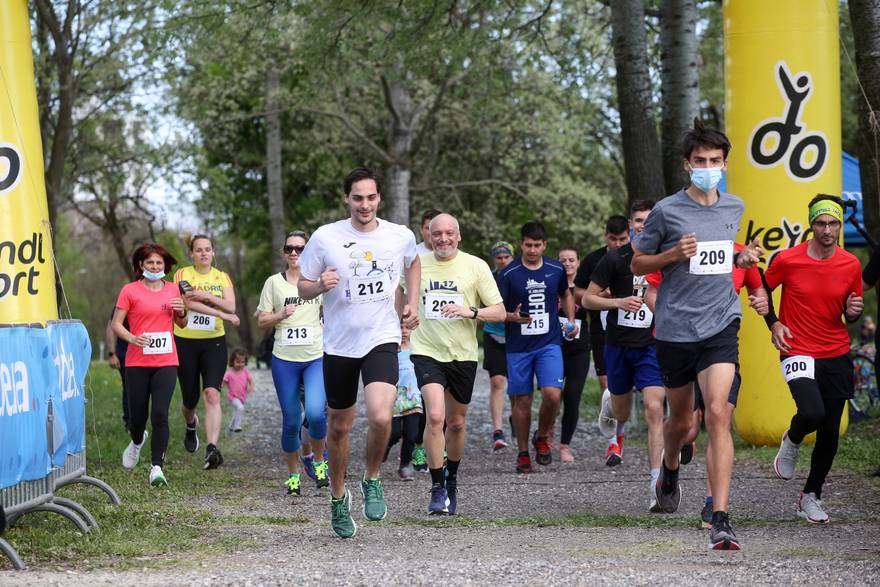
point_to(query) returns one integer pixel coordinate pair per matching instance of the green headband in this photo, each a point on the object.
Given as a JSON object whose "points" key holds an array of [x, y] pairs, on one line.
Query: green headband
{"points": [[829, 207]]}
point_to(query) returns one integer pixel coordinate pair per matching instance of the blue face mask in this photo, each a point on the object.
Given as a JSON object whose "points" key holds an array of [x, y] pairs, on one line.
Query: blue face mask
{"points": [[706, 178], [150, 276]]}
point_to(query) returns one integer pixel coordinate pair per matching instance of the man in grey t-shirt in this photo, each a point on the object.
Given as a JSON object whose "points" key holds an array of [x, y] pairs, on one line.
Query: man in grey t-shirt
{"points": [[690, 236]]}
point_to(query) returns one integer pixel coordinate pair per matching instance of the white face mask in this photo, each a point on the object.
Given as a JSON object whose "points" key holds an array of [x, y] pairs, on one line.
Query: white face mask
{"points": [[150, 276]]}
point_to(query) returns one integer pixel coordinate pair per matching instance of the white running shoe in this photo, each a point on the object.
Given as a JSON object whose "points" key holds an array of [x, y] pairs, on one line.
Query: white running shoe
{"points": [[810, 508], [607, 424], [785, 462], [132, 453], [157, 477]]}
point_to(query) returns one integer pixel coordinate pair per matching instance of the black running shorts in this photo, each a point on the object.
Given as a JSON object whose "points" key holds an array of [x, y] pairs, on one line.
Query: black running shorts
{"points": [[202, 365], [456, 376], [494, 356], [341, 374], [681, 361]]}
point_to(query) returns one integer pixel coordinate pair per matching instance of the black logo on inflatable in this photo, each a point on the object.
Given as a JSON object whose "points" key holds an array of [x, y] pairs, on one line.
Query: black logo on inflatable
{"points": [[10, 167], [804, 154]]}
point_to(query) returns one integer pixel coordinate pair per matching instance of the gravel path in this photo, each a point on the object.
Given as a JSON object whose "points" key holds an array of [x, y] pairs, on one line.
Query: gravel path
{"points": [[561, 524]]}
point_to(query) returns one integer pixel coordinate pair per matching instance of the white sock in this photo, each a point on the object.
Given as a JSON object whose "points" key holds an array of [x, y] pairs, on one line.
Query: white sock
{"points": [[612, 441], [620, 428], [655, 475]]}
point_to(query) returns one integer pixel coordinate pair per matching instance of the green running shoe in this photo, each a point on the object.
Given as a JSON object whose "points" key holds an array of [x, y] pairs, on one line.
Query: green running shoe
{"points": [[293, 485], [374, 499], [322, 474], [340, 516], [419, 459]]}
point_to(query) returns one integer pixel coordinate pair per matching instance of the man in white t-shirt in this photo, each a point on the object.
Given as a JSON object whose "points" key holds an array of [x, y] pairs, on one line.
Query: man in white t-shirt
{"points": [[356, 264], [427, 217]]}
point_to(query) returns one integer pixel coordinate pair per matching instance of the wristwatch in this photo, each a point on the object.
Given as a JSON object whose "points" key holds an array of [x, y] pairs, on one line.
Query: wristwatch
{"points": [[475, 311], [111, 354]]}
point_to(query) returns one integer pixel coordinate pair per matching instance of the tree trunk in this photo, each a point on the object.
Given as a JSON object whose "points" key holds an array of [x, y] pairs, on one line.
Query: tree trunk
{"points": [[243, 308], [641, 147], [277, 222], [400, 141], [680, 83], [865, 17]]}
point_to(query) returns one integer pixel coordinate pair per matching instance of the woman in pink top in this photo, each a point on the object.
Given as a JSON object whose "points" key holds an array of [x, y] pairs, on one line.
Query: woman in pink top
{"points": [[151, 306]]}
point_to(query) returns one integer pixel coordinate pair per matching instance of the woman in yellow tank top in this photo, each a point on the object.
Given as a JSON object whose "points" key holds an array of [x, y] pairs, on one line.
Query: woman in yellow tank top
{"points": [[202, 344]]}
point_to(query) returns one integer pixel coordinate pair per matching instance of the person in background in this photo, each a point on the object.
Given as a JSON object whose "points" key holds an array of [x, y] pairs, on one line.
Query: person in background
{"points": [[239, 384]]}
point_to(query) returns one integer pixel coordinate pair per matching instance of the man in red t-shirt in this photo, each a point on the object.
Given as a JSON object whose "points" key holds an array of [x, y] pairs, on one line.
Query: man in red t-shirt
{"points": [[821, 282]]}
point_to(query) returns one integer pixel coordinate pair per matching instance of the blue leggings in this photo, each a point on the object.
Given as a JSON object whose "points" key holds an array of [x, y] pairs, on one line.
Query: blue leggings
{"points": [[287, 376]]}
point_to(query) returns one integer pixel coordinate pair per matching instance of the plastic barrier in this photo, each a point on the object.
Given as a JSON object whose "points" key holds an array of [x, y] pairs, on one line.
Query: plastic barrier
{"points": [[42, 423]]}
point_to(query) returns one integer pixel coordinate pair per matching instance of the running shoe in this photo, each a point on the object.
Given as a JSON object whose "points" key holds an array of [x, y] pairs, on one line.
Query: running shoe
{"points": [[439, 504], [721, 536], [654, 507], [374, 499], [213, 458], [668, 490], [565, 454], [706, 516], [785, 462], [543, 456], [613, 455], [340, 516], [523, 463], [620, 444], [419, 460], [607, 424], [293, 484], [308, 463], [191, 436], [452, 495], [132, 453], [687, 454], [322, 474], [406, 472], [809, 507], [498, 441], [157, 477]]}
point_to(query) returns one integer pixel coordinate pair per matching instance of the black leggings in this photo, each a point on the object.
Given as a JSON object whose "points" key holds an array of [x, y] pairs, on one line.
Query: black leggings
{"points": [[576, 365], [821, 415], [406, 428], [142, 385]]}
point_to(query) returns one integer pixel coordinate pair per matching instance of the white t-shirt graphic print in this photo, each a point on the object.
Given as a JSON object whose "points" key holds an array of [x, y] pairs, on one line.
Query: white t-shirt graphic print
{"points": [[359, 312]]}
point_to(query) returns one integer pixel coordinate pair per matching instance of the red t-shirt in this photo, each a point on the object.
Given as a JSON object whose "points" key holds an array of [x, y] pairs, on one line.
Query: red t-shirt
{"points": [[150, 312], [814, 296], [750, 277]]}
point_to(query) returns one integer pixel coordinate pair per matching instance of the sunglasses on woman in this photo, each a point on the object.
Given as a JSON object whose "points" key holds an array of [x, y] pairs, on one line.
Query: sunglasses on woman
{"points": [[291, 248]]}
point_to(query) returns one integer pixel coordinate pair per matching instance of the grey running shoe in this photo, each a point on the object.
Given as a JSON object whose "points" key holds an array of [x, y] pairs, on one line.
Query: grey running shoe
{"points": [[668, 491], [654, 508], [406, 472], [721, 536], [809, 507], [374, 499], [607, 424], [340, 516], [786, 459]]}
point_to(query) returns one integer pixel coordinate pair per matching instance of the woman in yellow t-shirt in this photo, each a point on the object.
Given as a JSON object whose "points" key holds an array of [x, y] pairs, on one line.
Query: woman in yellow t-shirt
{"points": [[297, 356], [201, 345]]}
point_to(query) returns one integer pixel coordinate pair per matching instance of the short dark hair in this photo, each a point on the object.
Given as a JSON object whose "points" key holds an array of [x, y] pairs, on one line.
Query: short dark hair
{"points": [[359, 174], [431, 214], [705, 137], [300, 233], [641, 206], [144, 251], [617, 224], [533, 230], [569, 248]]}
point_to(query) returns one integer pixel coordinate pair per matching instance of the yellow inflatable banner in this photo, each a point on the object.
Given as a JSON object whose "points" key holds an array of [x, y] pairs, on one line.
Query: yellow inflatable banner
{"points": [[27, 271], [782, 84]]}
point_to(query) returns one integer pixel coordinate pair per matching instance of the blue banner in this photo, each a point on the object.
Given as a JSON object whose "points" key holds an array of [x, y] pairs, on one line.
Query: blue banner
{"points": [[26, 379], [71, 352]]}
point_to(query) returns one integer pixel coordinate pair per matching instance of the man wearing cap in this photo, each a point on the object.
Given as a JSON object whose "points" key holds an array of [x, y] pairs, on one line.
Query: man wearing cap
{"points": [[821, 283], [494, 352]]}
